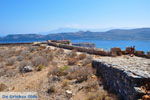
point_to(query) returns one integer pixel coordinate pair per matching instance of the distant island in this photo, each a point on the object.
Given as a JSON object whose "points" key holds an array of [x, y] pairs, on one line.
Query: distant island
{"points": [[115, 34]]}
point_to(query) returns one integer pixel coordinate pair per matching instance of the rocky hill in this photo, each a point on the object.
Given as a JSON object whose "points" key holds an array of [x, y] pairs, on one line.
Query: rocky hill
{"points": [[115, 34]]}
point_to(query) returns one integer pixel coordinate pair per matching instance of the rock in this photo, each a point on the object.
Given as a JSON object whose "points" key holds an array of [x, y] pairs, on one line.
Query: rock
{"points": [[54, 78], [26, 69], [146, 97], [116, 51], [68, 92]]}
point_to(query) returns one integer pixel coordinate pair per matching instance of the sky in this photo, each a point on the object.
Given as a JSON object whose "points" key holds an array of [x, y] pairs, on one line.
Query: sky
{"points": [[32, 16]]}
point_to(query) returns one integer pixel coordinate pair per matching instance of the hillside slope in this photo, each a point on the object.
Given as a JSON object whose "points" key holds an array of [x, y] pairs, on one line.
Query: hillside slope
{"points": [[115, 34]]}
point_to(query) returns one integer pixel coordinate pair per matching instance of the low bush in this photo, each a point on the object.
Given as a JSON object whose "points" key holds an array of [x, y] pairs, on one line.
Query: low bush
{"points": [[49, 56], [82, 56], [72, 61], [100, 95], [62, 71], [11, 73], [40, 67], [39, 61], [10, 61], [2, 72], [2, 65], [91, 85], [60, 51], [64, 68], [2, 87], [32, 48], [72, 54], [54, 63], [19, 58], [87, 61], [54, 78], [65, 83], [52, 89], [81, 74], [24, 53], [54, 71], [24, 63]]}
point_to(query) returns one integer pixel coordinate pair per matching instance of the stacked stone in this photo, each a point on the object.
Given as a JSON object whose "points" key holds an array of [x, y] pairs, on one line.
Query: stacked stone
{"points": [[127, 84]]}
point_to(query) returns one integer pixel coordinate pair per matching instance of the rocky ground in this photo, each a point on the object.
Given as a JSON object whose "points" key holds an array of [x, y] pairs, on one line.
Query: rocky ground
{"points": [[137, 65], [59, 74], [54, 73]]}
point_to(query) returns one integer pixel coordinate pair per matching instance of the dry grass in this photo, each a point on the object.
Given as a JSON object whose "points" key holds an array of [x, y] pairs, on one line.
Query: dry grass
{"points": [[82, 56], [39, 61], [52, 89], [91, 85], [100, 95], [62, 71], [2, 87], [10, 61], [87, 60], [70, 76], [72, 54], [40, 67], [72, 61], [19, 58], [65, 83], [80, 74]]}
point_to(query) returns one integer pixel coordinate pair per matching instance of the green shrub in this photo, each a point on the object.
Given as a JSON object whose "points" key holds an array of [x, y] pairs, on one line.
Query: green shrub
{"points": [[40, 67], [62, 71], [64, 68]]}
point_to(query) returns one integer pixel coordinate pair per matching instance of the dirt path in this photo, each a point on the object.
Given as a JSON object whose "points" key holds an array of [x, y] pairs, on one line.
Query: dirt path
{"points": [[31, 81]]}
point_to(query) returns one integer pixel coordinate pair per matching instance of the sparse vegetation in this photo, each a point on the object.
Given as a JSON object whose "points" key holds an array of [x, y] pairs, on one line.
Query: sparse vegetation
{"points": [[52, 89], [40, 67], [39, 61], [80, 74], [2, 87], [10, 61], [87, 60], [72, 61], [72, 54], [100, 95], [82, 56], [55, 72]]}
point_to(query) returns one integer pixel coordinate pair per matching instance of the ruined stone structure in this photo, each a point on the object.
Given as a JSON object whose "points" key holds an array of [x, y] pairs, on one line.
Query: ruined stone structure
{"points": [[130, 83], [80, 49], [113, 52], [89, 45]]}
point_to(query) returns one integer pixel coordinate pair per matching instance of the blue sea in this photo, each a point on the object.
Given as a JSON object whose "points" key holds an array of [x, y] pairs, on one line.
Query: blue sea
{"points": [[107, 44]]}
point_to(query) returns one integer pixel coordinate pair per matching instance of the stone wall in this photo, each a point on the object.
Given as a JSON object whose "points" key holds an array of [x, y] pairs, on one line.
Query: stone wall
{"points": [[96, 51], [81, 49], [124, 83], [84, 44]]}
